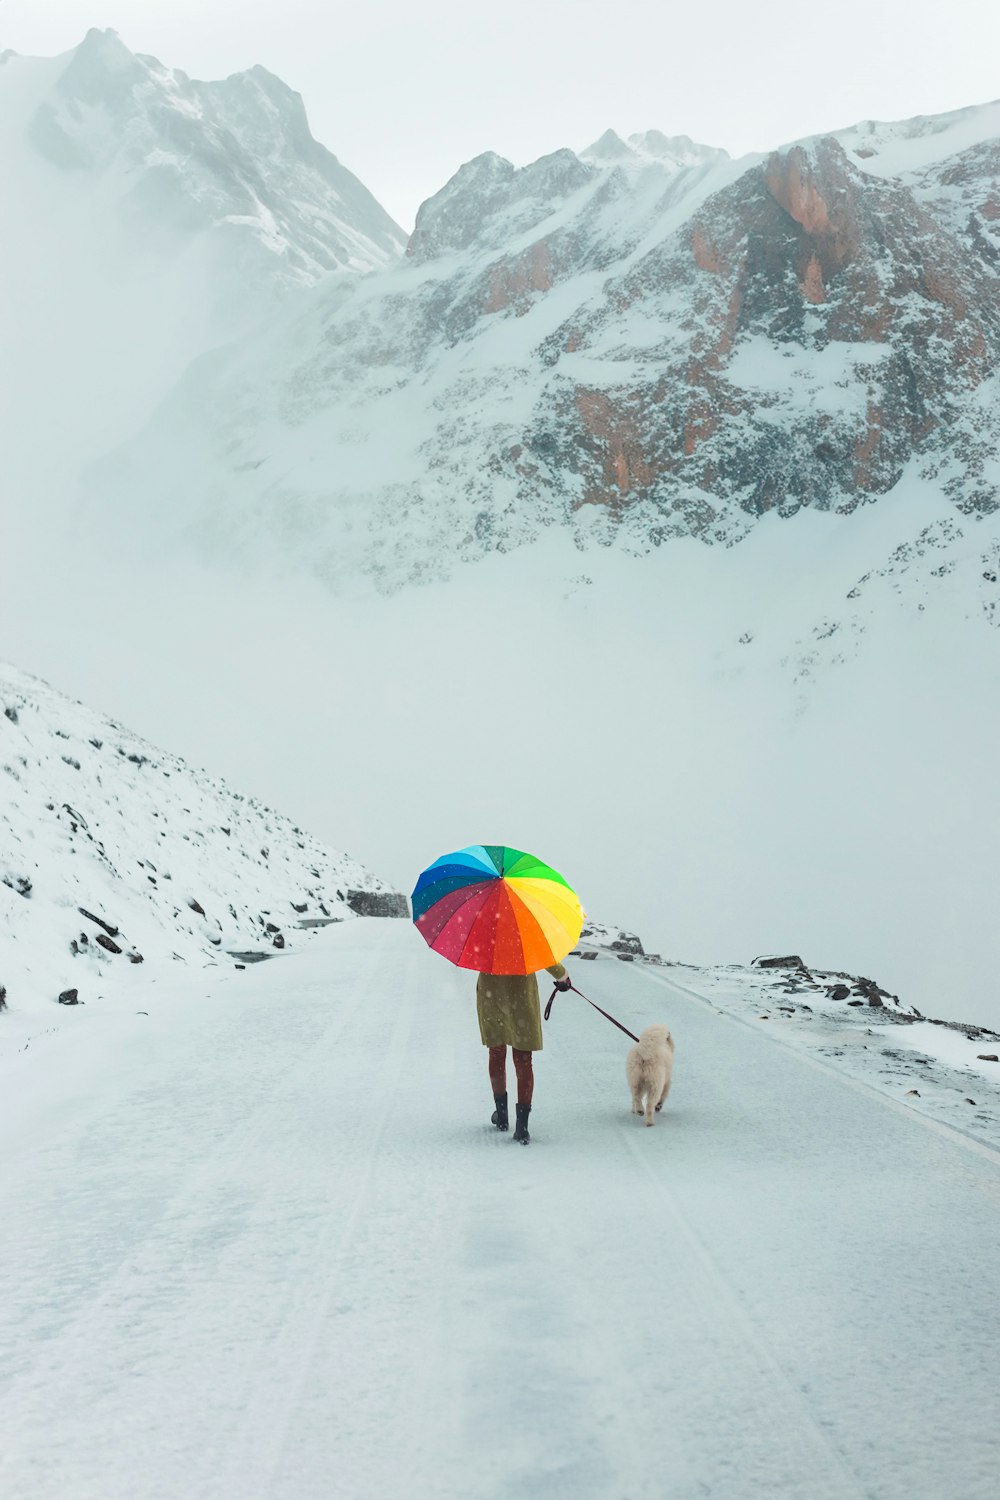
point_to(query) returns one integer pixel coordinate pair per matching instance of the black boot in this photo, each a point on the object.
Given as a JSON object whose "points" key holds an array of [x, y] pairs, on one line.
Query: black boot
{"points": [[499, 1115], [521, 1128]]}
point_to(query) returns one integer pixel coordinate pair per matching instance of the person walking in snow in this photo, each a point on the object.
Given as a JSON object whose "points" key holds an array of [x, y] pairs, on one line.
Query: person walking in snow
{"points": [[510, 1016]]}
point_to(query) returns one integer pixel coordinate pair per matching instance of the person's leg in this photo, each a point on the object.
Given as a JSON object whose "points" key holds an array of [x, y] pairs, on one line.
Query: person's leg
{"points": [[498, 1070], [525, 1076], [498, 1083], [525, 1089]]}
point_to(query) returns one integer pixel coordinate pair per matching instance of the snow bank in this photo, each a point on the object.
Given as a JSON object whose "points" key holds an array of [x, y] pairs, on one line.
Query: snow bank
{"points": [[114, 854]]}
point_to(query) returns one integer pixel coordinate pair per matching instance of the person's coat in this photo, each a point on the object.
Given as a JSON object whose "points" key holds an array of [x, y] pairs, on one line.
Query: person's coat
{"points": [[509, 1012]]}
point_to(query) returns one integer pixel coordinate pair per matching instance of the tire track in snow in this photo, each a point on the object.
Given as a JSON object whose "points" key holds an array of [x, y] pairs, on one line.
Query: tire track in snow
{"points": [[854, 1244], [813, 1462], [377, 1410], [262, 1438], [204, 1217]]}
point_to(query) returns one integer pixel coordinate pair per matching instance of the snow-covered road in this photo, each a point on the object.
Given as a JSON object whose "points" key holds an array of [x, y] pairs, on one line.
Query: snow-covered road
{"points": [[266, 1245]]}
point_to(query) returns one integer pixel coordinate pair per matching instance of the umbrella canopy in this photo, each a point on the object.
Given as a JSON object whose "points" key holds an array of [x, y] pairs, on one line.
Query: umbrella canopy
{"points": [[496, 910]]}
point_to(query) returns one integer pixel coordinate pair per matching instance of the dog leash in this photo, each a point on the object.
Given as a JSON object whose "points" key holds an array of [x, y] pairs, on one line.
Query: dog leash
{"points": [[604, 1013]]}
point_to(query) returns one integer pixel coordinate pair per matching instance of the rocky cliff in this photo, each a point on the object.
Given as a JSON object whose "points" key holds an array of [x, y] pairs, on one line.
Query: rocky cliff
{"points": [[643, 341]]}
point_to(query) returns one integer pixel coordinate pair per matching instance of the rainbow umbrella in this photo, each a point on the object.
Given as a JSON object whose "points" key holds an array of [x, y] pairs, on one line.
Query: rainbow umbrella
{"points": [[496, 910]]}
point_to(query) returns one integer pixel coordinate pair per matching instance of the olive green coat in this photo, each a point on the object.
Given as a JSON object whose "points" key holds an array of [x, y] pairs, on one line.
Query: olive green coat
{"points": [[509, 1013]]}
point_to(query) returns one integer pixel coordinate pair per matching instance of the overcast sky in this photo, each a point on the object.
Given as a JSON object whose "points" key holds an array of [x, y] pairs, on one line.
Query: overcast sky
{"points": [[404, 93]]}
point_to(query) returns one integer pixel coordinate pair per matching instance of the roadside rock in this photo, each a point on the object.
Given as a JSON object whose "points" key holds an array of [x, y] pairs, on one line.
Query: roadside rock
{"points": [[378, 903], [98, 921]]}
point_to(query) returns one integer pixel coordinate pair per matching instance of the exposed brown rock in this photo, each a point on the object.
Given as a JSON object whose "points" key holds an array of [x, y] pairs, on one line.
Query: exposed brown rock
{"points": [[624, 466], [513, 281], [816, 189], [706, 256], [866, 448], [812, 286]]}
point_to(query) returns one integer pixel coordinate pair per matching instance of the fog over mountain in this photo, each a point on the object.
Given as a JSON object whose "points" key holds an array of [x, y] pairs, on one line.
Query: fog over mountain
{"points": [[641, 509]]}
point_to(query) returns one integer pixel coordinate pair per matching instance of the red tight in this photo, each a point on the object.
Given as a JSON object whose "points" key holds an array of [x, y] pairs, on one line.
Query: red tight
{"points": [[523, 1068]]}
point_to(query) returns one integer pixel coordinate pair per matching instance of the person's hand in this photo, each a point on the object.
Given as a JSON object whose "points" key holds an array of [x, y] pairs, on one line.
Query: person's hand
{"points": [[564, 984]]}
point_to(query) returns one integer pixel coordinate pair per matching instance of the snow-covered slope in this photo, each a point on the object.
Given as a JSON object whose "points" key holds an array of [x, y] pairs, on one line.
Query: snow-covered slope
{"points": [[909, 147], [113, 853]]}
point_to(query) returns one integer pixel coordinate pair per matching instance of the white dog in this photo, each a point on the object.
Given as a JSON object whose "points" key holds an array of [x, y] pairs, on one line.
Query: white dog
{"points": [[648, 1068]]}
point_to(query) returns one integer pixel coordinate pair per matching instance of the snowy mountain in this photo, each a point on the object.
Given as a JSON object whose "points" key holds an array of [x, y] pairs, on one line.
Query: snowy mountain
{"points": [[113, 854], [174, 154], [631, 360], [654, 396], [633, 344], [148, 217]]}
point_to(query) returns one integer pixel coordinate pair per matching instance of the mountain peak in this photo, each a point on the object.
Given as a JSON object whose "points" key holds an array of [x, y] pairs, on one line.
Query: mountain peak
{"points": [[235, 155], [105, 43], [489, 200], [672, 151], [676, 150], [101, 66], [608, 147]]}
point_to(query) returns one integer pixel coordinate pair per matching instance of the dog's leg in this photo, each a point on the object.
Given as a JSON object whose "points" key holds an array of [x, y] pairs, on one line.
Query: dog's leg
{"points": [[650, 1096], [663, 1095]]}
